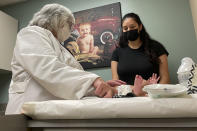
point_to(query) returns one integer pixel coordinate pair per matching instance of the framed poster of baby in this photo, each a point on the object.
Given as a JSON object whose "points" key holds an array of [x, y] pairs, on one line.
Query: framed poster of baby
{"points": [[95, 35]]}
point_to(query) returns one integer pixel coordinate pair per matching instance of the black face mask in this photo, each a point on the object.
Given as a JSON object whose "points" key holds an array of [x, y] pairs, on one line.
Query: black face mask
{"points": [[131, 35]]}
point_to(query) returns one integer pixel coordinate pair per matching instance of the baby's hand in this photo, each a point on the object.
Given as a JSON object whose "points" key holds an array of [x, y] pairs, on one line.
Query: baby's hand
{"points": [[154, 79]]}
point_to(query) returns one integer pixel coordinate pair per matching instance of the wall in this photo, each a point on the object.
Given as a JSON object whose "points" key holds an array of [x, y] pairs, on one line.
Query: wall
{"points": [[193, 4], [168, 21]]}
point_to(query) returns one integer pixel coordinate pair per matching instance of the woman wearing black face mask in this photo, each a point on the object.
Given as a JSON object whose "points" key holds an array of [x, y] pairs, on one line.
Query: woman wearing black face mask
{"points": [[138, 57]]}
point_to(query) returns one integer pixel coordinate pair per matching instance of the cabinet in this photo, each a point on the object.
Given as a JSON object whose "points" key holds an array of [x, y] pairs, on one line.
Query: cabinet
{"points": [[8, 32]]}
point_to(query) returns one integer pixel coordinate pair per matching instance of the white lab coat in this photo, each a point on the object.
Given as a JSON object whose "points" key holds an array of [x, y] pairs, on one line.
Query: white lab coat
{"points": [[44, 70]]}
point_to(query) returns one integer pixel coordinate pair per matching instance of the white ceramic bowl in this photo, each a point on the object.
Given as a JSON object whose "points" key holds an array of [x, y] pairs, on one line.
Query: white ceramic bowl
{"points": [[165, 90]]}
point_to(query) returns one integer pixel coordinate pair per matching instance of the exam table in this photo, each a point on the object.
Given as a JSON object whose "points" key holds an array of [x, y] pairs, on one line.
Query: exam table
{"points": [[96, 114]]}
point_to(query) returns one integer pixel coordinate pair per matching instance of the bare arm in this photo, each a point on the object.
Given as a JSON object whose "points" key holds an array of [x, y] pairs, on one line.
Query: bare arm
{"points": [[163, 70], [114, 67], [91, 43], [79, 42]]}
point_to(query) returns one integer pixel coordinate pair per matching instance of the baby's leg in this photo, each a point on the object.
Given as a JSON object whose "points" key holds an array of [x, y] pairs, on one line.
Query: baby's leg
{"points": [[95, 50], [138, 85]]}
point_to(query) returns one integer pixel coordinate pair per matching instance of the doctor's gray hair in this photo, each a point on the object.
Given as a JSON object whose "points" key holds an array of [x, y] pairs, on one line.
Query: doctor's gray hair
{"points": [[52, 17]]}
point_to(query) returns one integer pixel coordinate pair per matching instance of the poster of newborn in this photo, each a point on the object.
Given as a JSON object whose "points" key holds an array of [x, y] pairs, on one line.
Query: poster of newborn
{"points": [[95, 35]]}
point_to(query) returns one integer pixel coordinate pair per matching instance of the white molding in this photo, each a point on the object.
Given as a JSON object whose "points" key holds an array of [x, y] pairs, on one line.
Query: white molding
{"points": [[193, 5]]}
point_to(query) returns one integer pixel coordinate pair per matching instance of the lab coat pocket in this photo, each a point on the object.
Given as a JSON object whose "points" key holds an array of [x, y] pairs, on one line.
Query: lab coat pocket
{"points": [[18, 87]]}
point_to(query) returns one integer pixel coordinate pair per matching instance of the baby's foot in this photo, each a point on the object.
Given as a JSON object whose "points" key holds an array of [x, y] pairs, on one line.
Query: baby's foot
{"points": [[138, 85], [138, 81]]}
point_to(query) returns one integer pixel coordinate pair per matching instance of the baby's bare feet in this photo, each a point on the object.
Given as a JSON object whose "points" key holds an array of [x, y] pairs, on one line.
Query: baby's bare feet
{"points": [[138, 81], [138, 85]]}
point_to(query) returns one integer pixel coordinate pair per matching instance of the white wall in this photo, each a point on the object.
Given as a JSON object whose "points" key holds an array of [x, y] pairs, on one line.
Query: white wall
{"points": [[168, 21], [193, 5], [9, 27]]}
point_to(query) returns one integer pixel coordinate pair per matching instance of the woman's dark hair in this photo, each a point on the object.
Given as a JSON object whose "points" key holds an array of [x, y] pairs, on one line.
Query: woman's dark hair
{"points": [[145, 38]]}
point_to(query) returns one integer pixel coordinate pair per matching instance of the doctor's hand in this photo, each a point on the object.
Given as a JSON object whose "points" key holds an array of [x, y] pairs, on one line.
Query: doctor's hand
{"points": [[103, 89], [114, 83]]}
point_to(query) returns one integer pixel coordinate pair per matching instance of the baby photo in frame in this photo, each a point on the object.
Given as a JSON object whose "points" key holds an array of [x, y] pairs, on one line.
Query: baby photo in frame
{"points": [[95, 35]]}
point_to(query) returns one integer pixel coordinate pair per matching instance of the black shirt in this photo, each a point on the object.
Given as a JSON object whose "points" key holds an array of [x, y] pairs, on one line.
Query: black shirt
{"points": [[132, 62]]}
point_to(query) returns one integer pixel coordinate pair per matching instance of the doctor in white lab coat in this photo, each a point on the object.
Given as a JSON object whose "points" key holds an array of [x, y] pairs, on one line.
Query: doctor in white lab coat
{"points": [[42, 69]]}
